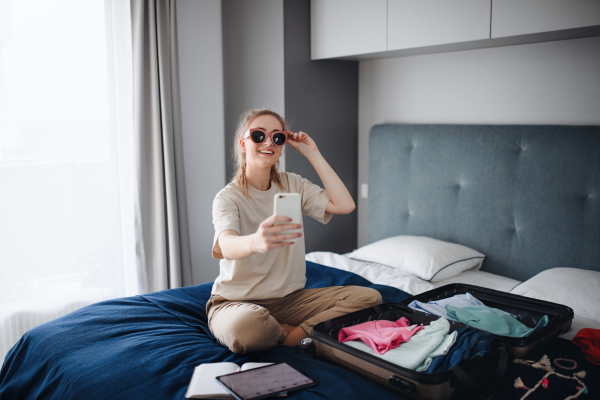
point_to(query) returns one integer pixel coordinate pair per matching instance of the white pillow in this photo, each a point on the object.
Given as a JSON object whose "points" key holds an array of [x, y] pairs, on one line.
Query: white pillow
{"points": [[572, 287], [430, 259]]}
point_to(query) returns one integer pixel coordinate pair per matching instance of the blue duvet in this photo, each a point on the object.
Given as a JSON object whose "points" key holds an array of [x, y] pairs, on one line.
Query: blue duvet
{"points": [[147, 347]]}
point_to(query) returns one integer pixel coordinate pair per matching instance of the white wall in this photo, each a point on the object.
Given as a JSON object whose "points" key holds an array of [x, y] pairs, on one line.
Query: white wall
{"points": [[201, 80], [253, 62], [540, 83]]}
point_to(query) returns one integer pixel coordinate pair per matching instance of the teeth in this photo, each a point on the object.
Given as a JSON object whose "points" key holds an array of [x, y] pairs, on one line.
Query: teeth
{"points": [[265, 152]]}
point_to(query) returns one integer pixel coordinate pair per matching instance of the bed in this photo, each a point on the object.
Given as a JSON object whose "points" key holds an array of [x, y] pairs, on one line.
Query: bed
{"points": [[524, 197]]}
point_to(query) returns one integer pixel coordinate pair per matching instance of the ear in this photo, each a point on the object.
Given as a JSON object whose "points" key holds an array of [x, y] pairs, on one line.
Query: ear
{"points": [[243, 145]]}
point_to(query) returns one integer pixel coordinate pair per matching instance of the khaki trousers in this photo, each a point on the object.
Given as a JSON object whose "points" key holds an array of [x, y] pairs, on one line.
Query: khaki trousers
{"points": [[254, 325]]}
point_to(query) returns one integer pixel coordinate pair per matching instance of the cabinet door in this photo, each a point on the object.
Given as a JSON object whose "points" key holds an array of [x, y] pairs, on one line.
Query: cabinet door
{"points": [[519, 17], [427, 23], [347, 27]]}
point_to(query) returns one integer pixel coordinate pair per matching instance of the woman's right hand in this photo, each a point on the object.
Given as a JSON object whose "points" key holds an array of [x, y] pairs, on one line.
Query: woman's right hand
{"points": [[268, 236]]}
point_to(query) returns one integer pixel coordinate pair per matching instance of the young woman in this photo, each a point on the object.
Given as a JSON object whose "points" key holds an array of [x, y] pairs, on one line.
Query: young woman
{"points": [[259, 301]]}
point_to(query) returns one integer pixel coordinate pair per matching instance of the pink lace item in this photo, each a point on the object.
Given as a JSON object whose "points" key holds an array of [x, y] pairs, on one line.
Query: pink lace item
{"points": [[380, 335]]}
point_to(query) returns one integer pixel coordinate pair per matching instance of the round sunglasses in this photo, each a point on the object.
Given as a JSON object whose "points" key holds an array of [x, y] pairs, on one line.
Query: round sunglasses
{"points": [[259, 135]]}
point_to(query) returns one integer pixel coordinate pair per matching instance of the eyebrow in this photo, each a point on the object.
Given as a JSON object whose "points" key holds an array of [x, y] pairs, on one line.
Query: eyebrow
{"points": [[264, 129]]}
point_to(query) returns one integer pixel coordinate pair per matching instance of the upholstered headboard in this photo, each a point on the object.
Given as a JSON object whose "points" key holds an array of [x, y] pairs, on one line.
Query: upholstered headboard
{"points": [[526, 196]]}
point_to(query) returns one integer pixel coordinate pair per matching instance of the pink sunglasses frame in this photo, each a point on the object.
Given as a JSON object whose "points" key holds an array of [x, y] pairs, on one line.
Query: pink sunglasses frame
{"points": [[268, 135]]}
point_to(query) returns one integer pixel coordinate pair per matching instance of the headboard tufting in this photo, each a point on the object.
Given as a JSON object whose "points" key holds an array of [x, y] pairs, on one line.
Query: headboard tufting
{"points": [[527, 196]]}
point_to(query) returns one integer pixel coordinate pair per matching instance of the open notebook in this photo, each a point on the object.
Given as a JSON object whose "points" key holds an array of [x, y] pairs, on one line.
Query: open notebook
{"points": [[204, 385]]}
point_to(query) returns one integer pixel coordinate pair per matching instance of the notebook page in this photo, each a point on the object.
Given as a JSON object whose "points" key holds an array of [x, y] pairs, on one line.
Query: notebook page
{"points": [[204, 384], [250, 365]]}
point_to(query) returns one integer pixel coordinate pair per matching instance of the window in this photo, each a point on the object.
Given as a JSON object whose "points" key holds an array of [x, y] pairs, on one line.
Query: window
{"points": [[66, 175]]}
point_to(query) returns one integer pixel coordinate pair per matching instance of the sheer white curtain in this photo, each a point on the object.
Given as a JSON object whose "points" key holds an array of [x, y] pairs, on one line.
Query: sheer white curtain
{"points": [[66, 170]]}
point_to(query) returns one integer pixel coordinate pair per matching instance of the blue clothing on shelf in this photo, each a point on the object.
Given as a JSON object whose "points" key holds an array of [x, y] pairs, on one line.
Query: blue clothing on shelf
{"points": [[470, 344], [492, 320]]}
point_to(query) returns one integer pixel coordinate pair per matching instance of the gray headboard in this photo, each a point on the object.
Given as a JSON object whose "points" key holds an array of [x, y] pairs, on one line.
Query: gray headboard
{"points": [[526, 196]]}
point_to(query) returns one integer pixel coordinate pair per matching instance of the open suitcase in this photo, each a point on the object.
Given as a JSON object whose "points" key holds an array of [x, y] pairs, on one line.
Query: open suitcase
{"points": [[477, 377], [528, 310]]}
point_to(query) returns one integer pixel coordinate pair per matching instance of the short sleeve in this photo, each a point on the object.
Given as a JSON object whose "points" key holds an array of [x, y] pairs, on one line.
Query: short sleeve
{"points": [[314, 201], [226, 215]]}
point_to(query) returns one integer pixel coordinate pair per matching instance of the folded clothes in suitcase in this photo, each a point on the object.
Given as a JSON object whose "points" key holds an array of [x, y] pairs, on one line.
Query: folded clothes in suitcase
{"points": [[480, 375], [527, 310], [477, 377]]}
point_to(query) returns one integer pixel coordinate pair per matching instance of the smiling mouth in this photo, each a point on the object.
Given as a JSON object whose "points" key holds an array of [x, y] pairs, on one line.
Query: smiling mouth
{"points": [[266, 152]]}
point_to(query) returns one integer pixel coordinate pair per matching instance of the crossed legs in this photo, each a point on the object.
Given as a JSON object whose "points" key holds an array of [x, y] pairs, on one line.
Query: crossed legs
{"points": [[261, 324]]}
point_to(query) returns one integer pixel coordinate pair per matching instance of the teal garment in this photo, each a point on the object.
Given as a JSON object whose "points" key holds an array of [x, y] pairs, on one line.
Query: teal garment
{"points": [[491, 320]]}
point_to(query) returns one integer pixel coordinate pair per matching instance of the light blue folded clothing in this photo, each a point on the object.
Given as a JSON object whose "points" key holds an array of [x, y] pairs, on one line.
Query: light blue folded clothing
{"points": [[438, 307], [418, 352], [492, 320]]}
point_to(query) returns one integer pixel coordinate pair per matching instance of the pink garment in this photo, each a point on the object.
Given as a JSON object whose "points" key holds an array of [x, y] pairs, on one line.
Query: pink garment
{"points": [[380, 335]]}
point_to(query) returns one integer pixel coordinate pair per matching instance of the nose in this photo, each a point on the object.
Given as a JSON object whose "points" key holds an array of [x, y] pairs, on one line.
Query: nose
{"points": [[269, 141]]}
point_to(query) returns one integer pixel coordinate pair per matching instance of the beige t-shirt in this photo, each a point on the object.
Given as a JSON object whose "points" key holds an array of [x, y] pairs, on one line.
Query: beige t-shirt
{"points": [[278, 272]]}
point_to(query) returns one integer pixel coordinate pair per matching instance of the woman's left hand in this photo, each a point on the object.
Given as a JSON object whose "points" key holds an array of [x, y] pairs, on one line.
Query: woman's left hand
{"points": [[303, 143]]}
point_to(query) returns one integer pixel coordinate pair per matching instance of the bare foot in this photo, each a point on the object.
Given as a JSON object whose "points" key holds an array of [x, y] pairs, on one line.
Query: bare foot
{"points": [[294, 336], [288, 328]]}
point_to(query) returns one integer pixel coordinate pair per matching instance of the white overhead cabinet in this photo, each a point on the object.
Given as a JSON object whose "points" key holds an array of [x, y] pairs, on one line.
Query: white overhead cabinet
{"points": [[341, 28], [520, 17], [363, 29], [428, 23]]}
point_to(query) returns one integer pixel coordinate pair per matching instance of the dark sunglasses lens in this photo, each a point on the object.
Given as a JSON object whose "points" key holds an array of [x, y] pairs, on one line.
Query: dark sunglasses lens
{"points": [[279, 139], [258, 136]]}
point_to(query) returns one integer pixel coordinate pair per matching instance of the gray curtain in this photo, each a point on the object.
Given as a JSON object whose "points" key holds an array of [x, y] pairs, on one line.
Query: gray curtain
{"points": [[162, 235]]}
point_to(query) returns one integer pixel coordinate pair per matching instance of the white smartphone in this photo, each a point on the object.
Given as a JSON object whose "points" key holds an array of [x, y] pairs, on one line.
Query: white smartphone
{"points": [[288, 204]]}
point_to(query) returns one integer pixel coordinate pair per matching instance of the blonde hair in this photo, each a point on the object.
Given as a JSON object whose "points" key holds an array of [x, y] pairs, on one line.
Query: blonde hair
{"points": [[239, 157]]}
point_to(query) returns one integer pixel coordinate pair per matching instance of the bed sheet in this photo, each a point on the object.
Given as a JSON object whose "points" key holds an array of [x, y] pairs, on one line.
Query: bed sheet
{"points": [[483, 279], [405, 281], [147, 346]]}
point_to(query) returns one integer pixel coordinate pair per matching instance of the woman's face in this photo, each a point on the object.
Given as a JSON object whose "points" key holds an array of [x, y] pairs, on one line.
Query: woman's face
{"points": [[263, 154]]}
